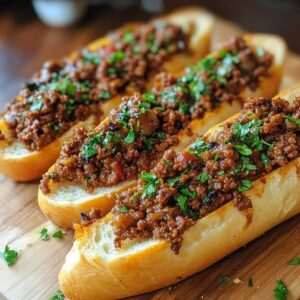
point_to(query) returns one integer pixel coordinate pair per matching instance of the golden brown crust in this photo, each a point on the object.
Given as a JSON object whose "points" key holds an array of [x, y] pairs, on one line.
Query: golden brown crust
{"points": [[95, 269], [56, 209], [38, 162]]}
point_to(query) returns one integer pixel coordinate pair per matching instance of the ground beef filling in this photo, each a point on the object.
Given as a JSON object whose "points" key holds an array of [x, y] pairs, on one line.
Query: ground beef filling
{"points": [[144, 126], [185, 187], [65, 92]]}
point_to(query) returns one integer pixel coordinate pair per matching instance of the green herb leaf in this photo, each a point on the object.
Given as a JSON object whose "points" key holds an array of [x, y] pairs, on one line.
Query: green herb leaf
{"points": [[37, 104], [151, 184], [105, 95], [206, 200], [246, 185], [44, 234], [207, 64], [117, 56], [265, 159], [250, 283], [92, 57], [123, 209], [198, 147], [133, 197], [294, 261], [161, 135], [65, 86], [58, 296], [224, 278], [70, 105], [168, 163], [150, 97], [280, 292], [128, 37], [9, 256], [243, 149], [130, 138], [204, 177], [58, 234], [247, 166], [298, 123], [290, 118], [90, 149]]}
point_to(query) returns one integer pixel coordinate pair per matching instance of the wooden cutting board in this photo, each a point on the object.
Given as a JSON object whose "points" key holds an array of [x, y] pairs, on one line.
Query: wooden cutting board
{"points": [[34, 276]]}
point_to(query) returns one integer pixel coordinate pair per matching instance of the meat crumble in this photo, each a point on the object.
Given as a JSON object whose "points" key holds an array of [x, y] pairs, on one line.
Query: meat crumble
{"points": [[65, 92], [215, 169], [144, 126]]}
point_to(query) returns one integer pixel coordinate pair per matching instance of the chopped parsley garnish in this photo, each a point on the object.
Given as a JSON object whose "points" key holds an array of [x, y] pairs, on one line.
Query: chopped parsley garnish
{"points": [[161, 135], [224, 278], [229, 60], [58, 234], [246, 185], [65, 86], [242, 149], [280, 292], [123, 117], [37, 104], [298, 123], [111, 71], [44, 234], [123, 209], [150, 97], [219, 173], [204, 177], [290, 118], [168, 163], [149, 142], [265, 159], [294, 261], [247, 166], [248, 134], [133, 197], [9, 256], [90, 149], [92, 57], [216, 156], [206, 200], [182, 199], [151, 184], [58, 296], [116, 56], [250, 283], [198, 147], [105, 94], [70, 105], [110, 137], [128, 37], [130, 138]]}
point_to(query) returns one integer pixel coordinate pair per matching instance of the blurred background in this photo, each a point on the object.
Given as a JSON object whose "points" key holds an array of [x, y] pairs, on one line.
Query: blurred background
{"points": [[34, 31]]}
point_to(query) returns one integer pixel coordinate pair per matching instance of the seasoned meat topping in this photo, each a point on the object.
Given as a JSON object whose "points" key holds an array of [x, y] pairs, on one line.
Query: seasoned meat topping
{"points": [[144, 126], [187, 186], [65, 92]]}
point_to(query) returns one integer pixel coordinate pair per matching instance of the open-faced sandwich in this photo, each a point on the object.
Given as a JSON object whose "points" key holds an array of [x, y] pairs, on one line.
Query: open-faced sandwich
{"points": [[196, 206], [94, 166], [84, 87]]}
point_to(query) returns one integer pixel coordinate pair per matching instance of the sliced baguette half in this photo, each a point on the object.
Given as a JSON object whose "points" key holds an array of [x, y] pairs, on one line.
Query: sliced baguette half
{"points": [[20, 164], [95, 269], [66, 200]]}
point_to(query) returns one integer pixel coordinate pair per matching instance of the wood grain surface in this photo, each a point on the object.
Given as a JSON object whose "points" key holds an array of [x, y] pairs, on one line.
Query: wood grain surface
{"points": [[34, 276]]}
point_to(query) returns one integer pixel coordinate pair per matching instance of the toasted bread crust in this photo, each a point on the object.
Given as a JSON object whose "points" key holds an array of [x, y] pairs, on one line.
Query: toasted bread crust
{"points": [[56, 209], [95, 269], [196, 22]]}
